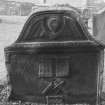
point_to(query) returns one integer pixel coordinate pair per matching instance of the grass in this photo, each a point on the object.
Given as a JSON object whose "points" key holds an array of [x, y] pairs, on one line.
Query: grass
{"points": [[4, 94]]}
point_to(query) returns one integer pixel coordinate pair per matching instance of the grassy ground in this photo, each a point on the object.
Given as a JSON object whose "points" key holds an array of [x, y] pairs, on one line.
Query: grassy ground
{"points": [[4, 94]]}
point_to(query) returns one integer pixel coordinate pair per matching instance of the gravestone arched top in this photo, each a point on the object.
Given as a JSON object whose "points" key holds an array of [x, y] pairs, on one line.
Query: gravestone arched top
{"points": [[54, 28]]}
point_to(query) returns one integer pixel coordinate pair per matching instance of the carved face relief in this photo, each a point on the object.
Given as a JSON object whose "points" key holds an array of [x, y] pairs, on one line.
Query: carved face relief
{"points": [[54, 24]]}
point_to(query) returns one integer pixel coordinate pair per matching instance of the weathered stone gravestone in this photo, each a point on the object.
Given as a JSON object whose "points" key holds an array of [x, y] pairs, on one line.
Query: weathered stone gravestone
{"points": [[55, 60]]}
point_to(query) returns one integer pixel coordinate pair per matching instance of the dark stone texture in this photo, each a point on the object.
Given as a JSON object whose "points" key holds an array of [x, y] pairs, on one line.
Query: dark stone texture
{"points": [[70, 40]]}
